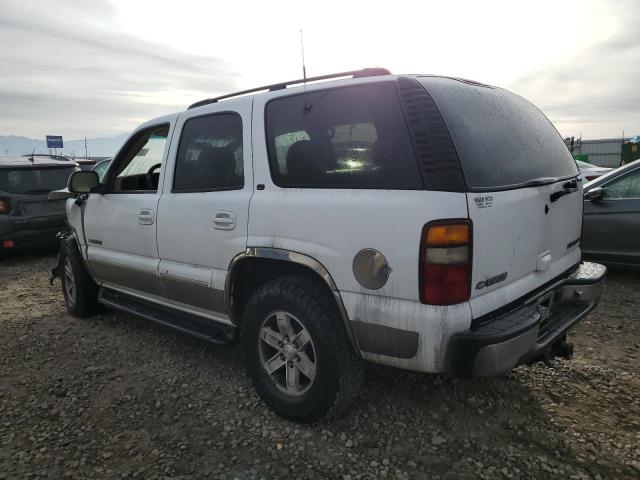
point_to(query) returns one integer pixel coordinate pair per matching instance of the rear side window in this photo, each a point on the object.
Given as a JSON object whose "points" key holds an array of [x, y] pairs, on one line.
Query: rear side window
{"points": [[210, 154], [351, 137], [502, 139]]}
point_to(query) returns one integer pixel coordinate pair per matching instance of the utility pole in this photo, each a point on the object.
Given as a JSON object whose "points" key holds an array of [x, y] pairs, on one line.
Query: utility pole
{"points": [[85, 147]]}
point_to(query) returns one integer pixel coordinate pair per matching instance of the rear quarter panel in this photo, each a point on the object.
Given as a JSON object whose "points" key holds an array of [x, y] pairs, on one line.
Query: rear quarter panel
{"points": [[333, 225]]}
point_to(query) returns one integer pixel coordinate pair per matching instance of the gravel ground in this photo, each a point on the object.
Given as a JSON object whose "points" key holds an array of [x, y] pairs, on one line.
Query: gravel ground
{"points": [[117, 397]]}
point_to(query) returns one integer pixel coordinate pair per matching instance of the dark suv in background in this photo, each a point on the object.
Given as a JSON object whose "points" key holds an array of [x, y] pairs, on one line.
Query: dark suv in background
{"points": [[27, 217]]}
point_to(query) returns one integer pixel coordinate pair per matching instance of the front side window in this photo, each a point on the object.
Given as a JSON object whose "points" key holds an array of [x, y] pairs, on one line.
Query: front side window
{"points": [[210, 154], [625, 187], [351, 137], [140, 162]]}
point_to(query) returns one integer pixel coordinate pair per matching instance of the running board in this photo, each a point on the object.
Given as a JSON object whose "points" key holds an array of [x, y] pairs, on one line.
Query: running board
{"points": [[194, 325]]}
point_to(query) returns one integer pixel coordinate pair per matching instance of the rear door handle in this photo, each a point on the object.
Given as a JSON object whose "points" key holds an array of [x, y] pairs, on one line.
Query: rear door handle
{"points": [[145, 216], [224, 220]]}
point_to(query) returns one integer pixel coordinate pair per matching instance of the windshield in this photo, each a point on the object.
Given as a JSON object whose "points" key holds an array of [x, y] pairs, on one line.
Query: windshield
{"points": [[503, 140], [34, 180]]}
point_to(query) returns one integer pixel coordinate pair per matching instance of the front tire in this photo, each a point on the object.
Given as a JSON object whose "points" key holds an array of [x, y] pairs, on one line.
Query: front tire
{"points": [[79, 290], [297, 353]]}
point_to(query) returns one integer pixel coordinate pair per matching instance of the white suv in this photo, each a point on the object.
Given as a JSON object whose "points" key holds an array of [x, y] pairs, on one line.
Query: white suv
{"points": [[423, 222]]}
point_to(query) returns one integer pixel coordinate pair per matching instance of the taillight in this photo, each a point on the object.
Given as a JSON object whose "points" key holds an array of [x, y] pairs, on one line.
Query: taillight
{"points": [[445, 262], [5, 206]]}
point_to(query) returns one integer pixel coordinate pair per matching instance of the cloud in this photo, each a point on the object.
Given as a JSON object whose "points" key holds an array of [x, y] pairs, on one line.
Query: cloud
{"points": [[68, 70], [594, 92], [78, 67]]}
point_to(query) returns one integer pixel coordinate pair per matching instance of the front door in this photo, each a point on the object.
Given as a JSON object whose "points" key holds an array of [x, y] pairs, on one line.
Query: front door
{"points": [[203, 212], [120, 225]]}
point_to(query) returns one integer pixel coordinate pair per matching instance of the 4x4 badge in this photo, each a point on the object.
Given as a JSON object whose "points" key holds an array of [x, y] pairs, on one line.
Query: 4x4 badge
{"points": [[491, 281]]}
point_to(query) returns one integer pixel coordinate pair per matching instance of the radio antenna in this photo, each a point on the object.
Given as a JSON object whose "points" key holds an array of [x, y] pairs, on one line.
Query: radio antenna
{"points": [[306, 108]]}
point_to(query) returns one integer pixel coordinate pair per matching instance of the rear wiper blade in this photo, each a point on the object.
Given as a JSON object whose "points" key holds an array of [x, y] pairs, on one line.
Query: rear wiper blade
{"points": [[567, 188], [37, 190]]}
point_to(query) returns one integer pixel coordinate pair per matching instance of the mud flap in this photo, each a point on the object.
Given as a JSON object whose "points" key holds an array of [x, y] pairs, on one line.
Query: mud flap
{"points": [[57, 269]]}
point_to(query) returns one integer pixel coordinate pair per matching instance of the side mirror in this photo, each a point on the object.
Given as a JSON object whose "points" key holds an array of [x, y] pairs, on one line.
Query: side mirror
{"points": [[83, 181], [595, 194]]}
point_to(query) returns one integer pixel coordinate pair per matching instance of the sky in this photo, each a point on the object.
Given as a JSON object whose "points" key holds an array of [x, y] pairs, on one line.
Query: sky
{"points": [[99, 68]]}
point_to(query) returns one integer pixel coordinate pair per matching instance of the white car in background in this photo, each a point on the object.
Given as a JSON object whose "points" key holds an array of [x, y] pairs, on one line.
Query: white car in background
{"points": [[590, 172]]}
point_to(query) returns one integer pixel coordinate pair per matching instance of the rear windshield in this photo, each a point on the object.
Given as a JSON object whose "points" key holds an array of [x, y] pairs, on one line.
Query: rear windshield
{"points": [[502, 139], [350, 137], [34, 180]]}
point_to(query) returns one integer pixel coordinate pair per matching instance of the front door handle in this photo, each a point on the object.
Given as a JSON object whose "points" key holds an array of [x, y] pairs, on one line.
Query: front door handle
{"points": [[224, 220], [145, 216]]}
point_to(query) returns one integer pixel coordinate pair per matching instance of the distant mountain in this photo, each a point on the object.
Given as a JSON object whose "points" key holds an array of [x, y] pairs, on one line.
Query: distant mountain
{"points": [[96, 147]]}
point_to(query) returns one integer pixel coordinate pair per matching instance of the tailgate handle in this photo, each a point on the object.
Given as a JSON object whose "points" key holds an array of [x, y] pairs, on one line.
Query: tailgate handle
{"points": [[544, 260]]}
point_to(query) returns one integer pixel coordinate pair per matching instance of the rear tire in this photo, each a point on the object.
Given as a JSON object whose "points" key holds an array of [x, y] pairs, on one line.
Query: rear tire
{"points": [[310, 374], [79, 290]]}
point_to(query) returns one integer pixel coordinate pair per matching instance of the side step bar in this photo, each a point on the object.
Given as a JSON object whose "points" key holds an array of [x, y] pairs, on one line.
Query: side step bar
{"points": [[203, 328]]}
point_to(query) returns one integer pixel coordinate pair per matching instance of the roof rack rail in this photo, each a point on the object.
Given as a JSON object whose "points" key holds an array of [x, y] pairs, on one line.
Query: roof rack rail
{"points": [[365, 72]]}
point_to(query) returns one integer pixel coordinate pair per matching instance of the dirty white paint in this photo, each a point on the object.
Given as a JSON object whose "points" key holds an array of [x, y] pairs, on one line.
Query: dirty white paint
{"points": [[435, 326], [510, 233]]}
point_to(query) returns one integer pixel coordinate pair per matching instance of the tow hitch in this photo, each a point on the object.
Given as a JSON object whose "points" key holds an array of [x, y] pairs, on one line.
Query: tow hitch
{"points": [[560, 348]]}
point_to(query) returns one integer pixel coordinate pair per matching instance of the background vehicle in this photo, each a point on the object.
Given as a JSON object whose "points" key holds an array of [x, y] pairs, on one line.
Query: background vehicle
{"points": [[611, 227], [27, 217], [101, 168], [83, 163], [590, 172], [379, 217]]}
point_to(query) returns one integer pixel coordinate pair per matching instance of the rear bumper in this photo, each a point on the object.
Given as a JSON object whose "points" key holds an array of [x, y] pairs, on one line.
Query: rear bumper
{"points": [[30, 232], [506, 340]]}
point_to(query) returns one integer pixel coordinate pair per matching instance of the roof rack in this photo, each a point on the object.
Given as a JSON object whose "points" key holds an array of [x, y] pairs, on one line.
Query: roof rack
{"points": [[365, 72]]}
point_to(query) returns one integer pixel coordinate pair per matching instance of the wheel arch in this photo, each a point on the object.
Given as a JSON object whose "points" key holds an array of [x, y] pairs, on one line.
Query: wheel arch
{"points": [[273, 263]]}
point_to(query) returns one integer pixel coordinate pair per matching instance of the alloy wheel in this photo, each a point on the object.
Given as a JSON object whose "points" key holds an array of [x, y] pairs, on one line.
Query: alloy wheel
{"points": [[69, 281], [287, 353]]}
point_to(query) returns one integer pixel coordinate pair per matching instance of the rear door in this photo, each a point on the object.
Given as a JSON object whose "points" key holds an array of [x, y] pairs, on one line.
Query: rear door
{"points": [[523, 197], [203, 212], [612, 225]]}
